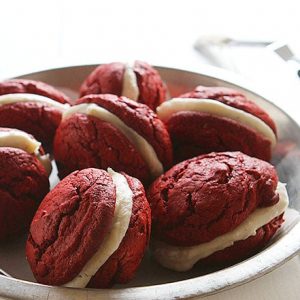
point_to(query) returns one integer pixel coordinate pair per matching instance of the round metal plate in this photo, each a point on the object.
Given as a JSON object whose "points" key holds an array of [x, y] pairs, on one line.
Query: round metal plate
{"points": [[153, 282]]}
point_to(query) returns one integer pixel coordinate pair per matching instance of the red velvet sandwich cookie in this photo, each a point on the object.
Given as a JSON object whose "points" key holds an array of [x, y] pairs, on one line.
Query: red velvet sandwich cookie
{"points": [[22, 86], [217, 119], [90, 230], [35, 114], [139, 82], [219, 207], [24, 170], [109, 131]]}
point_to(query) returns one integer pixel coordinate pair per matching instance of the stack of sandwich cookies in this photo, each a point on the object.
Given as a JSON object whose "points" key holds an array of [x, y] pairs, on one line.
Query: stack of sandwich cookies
{"points": [[109, 131], [138, 81], [35, 114], [217, 119], [24, 170], [90, 230], [93, 228], [23, 86], [215, 208]]}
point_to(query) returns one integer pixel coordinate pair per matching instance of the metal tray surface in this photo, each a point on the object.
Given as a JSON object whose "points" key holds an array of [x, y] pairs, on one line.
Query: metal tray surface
{"points": [[152, 281]]}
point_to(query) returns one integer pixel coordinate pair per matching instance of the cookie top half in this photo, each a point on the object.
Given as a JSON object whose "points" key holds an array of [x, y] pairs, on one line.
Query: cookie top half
{"points": [[209, 195], [138, 81], [22, 86]]}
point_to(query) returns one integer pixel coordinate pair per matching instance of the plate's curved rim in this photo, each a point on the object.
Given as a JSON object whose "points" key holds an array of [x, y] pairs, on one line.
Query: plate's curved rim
{"points": [[205, 285], [213, 72], [256, 266]]}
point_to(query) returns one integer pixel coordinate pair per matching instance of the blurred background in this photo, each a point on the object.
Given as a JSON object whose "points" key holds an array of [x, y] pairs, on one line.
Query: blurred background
{"points": [[38, 35]]}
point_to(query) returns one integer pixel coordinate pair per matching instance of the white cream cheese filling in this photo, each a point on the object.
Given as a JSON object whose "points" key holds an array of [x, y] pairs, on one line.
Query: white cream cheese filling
{"points": [[183, 258], [130, 87], [214, 107], [113, 239], [21, 140], [143, 147], [26, 97]]}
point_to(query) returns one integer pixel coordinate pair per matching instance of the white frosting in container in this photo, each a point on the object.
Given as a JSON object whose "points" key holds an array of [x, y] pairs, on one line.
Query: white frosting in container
{"points": [[130, 87], [113, 239], [183, 258], [216, 108], [26, 97], [21, 140], [143, 147]]}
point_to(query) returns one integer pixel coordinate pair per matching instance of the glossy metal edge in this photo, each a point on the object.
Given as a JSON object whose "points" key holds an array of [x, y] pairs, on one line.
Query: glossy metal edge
{"points": [[228, 79], [255, 267], [264, 262]]}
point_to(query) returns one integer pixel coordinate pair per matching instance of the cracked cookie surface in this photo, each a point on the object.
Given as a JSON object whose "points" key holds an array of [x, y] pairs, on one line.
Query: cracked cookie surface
{"points": [[72, 222], [194, 133], [83, 141], [38, 119], [123, 263], [209, 195], [23, 184], [69, 225], [14, 86], [108, 79], [152, 89], [232, 98], [105, 79], [140, 118]]}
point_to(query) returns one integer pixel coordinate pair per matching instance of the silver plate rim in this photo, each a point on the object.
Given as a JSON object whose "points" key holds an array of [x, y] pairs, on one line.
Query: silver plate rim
{"points": [[264, 262]]}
